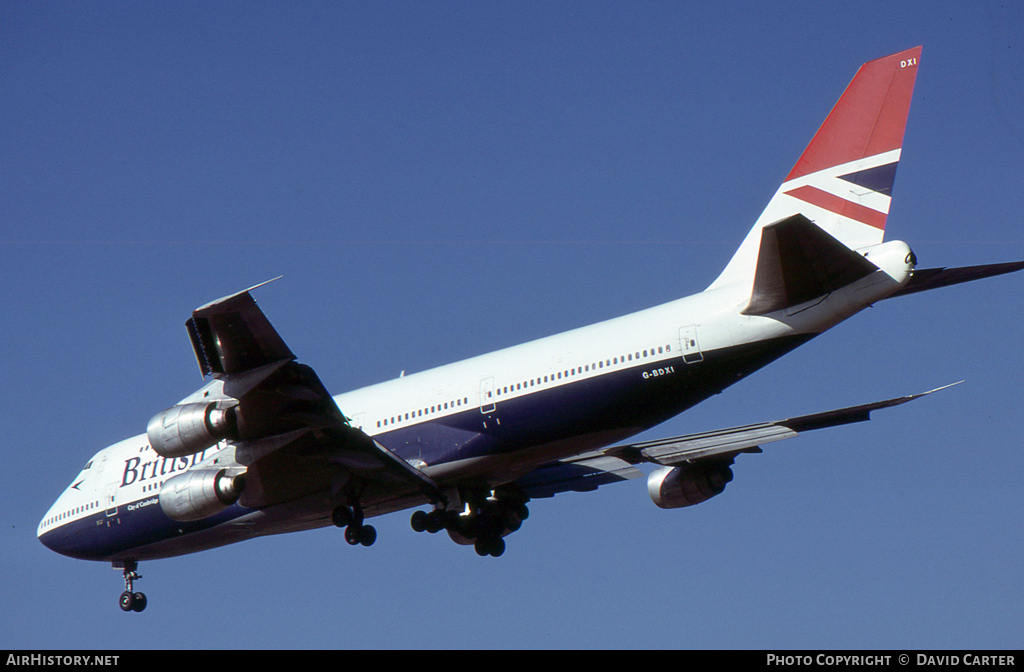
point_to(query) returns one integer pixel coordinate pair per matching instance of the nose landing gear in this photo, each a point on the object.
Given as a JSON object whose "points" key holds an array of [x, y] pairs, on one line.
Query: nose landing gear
{"points": [[130, 600]]}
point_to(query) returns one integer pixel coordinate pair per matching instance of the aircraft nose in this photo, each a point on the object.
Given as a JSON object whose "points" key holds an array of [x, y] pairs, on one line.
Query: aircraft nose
{"points": [[74, 539], [49, 536]]}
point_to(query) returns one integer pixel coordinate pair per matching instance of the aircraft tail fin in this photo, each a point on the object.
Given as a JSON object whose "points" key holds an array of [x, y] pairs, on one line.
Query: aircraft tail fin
{"points": [[843, 180]]}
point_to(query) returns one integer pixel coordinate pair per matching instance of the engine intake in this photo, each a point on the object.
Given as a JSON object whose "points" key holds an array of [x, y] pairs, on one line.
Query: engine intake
{"points": [[200, 494], [676, 487], [190, 428]]}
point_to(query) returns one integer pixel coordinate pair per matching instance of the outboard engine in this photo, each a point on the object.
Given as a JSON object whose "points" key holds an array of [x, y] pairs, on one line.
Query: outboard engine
{"points": [[189, 428], [676, 487]]}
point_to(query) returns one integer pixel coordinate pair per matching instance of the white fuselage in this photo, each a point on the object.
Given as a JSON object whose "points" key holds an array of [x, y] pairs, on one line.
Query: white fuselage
{"points": [[498, 396]]}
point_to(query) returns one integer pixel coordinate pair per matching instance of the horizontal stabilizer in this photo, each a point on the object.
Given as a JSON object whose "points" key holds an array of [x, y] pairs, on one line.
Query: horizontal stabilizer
{"points": [[924, 279], [798, 262]]}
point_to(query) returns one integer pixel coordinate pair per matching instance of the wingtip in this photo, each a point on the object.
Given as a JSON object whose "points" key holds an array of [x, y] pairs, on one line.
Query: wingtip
{"points": [[229, 297], [944, 387]]}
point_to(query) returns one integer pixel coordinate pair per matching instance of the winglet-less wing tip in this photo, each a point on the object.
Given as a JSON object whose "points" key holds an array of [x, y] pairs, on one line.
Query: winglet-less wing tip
{"points": [[225, 299], [844, 416]]}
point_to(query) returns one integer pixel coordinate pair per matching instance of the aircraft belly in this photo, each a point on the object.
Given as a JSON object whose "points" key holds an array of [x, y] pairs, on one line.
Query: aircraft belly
{"points": [[136, 525]]}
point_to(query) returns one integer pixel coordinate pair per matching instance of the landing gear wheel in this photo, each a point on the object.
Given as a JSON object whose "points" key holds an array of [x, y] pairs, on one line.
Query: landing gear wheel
{"points": [[367, 535], [435, 523], [419, 521], [492, 546], [352, 535], [130, 600], [341, 516]]}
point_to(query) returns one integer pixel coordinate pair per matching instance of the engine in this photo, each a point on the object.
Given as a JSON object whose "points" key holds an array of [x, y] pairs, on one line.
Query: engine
{"points": [[199, 494], [676, 487], [188, 428]]}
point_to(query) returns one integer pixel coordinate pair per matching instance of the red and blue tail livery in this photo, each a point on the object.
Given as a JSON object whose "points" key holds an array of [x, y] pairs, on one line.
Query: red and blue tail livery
{"points": [[843, 181], [264, 448]]}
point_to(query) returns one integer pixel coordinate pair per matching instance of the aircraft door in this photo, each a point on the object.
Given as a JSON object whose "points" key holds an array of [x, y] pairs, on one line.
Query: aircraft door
{"points": [[110, 499], [487, 398], [689, 346]]}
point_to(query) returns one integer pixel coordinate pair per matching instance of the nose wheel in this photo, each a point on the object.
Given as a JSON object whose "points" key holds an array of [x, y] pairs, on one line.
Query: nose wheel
{"points": [[131, 600]]}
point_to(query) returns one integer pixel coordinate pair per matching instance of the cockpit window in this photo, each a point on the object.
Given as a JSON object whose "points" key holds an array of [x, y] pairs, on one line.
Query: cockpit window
{"points": [[88, 465]]}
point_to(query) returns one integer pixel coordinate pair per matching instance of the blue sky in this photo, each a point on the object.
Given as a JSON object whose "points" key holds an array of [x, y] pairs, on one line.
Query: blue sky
{"points": [[438, 180]]}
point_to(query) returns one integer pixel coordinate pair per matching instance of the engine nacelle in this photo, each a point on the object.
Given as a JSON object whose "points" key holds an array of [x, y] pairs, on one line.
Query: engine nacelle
{"points": [[198, 494], [190, 428], [676, 487]]}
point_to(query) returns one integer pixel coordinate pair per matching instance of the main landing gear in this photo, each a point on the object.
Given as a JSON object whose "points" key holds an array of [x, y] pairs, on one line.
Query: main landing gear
{"points": [[351, 518], [129, 600], [487, 518]]}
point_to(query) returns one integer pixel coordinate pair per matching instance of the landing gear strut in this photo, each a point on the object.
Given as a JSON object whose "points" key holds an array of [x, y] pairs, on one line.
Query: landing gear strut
{"points": [[129, 600], [351, 518], [488, 517]]}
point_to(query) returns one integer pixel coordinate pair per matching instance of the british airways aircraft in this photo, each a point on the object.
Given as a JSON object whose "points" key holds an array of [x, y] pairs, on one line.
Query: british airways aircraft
{"points": [[263, 448]]}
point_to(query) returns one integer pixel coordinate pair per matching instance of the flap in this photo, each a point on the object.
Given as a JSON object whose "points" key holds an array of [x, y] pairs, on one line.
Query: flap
{"points": [[748, 438], [583, 473]]}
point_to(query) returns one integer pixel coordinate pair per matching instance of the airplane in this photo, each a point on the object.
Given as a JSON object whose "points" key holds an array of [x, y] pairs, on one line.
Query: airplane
{"points": [[263, 448]]}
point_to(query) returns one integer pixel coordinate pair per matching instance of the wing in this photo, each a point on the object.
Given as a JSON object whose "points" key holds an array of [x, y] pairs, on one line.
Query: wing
{"points": [[583, 473], [590, 470], [289, 432]]}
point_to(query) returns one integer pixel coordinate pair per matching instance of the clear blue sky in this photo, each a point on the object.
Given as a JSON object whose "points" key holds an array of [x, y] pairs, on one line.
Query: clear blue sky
{"points": [[438, 180]]}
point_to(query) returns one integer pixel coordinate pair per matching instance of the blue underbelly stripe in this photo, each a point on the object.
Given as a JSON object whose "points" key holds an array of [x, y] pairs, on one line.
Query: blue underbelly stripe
{"points": [[614, 400]]}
